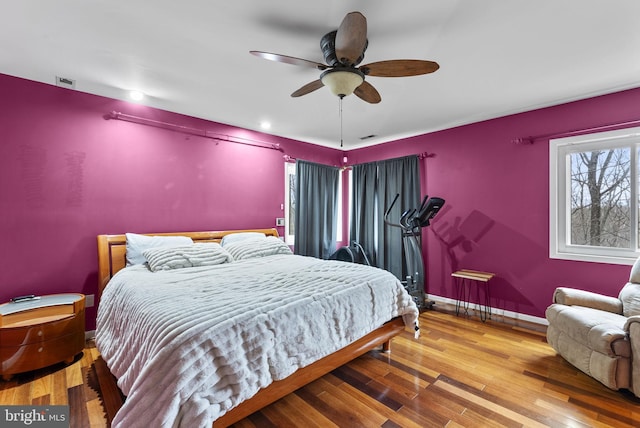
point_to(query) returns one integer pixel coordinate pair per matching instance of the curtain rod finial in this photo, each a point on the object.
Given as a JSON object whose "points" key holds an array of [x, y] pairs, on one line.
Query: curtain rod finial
{"points": [[522, 140], [425, 155]]}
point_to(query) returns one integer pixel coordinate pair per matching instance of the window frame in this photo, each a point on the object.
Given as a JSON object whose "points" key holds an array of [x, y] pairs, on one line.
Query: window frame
{"points": [[289, 169], [560, 190]]}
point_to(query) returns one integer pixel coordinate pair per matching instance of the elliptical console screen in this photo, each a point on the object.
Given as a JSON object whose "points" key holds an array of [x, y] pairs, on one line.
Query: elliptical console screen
{"points": [[429, 211]]}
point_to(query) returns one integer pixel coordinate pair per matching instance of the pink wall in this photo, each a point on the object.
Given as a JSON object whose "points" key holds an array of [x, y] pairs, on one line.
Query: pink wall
{"points": [[67, 175], [497, 202]]}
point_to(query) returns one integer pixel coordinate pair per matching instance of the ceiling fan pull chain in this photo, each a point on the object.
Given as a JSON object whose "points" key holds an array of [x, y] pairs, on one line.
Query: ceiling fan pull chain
{"points": [[340, 112]]}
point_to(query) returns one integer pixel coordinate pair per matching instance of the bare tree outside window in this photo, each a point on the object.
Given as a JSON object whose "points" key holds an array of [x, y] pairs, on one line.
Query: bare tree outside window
{"points": [[601, 198]]}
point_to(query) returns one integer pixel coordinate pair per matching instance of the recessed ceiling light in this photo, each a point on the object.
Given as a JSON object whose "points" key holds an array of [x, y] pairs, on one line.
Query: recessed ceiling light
{"points": [[265, 125], [136, 95]]}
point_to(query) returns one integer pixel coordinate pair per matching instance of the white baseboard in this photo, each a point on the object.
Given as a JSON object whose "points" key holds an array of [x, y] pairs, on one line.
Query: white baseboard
{"points": [[494, 311]]}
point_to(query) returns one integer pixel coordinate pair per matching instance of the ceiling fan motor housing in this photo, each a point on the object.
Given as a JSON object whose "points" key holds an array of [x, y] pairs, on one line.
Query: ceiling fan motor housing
{"points": [[328, 46]]}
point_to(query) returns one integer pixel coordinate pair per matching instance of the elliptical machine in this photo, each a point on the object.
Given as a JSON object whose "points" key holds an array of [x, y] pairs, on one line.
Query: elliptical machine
{"points": [[411, 223]]}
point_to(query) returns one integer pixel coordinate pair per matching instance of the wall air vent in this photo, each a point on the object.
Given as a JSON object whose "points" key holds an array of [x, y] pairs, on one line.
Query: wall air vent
{"points": [[367, 137], [65, 82]]}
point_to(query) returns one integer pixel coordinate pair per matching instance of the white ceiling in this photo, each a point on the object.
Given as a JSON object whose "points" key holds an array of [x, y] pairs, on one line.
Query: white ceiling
{"points": [[496, 57]]}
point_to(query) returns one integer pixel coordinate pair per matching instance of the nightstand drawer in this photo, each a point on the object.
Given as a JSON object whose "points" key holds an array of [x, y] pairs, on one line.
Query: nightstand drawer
{"points": [[16, 359], [39, 332]]}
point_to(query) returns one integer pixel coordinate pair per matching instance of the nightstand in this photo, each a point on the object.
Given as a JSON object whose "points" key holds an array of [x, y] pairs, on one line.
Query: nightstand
{"points": [[40, 332]]}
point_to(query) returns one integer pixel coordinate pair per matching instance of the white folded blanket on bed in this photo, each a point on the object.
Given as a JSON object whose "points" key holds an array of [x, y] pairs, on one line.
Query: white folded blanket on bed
{"points": [[187, 345]]}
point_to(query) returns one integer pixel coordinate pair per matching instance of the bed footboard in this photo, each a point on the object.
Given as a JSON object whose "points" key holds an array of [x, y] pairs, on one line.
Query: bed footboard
{"points": [[275, 391]]}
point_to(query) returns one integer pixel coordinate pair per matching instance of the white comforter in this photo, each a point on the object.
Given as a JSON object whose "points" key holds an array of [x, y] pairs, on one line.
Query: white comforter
{"points": [[188, 345]]}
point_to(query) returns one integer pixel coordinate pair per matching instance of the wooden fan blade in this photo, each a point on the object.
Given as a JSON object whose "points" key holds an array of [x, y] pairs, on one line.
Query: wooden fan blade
{"points": [[309, 87], [399, 68], [289, 60], [351, 39], [368, 93]]}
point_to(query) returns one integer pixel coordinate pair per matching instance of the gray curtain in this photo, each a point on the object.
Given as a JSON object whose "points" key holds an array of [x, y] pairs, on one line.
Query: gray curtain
{"points": [[316, 216], [375, 185]]}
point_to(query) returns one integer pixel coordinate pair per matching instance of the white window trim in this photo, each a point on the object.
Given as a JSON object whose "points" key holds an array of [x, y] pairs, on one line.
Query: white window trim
{"points": [[289, 167], [290, 239], [559, 204]]}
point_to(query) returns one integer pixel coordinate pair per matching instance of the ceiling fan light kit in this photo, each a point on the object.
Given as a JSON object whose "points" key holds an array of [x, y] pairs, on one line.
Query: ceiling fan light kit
{"points": [[342, 81]]}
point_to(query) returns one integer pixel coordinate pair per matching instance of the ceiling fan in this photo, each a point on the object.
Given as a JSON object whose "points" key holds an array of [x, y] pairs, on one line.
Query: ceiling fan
{"points": [[343, 50]]}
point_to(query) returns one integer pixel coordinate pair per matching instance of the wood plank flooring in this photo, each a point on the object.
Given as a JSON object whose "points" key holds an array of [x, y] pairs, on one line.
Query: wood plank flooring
{"points": [[459, 373]]}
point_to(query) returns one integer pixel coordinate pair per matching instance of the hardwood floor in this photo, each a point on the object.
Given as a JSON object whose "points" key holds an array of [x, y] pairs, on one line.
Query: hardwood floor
{"points": [[460, 373]]}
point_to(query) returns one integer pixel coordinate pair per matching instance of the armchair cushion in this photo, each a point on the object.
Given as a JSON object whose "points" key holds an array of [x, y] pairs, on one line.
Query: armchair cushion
{"points": [[630, 298], [634, 275]]}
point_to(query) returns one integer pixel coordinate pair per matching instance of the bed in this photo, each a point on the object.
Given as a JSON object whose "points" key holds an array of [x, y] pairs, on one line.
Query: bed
{"points": [[214, 341]]}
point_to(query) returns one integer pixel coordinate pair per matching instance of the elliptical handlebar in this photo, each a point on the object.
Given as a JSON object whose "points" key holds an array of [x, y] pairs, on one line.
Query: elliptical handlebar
{"points": [[411, 220], [386, 213], [424, 202], [407, 218], [415, 222]]}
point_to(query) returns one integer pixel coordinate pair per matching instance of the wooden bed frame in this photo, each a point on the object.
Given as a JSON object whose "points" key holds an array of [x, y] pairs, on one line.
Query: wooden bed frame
{"points": [[112, 258]]}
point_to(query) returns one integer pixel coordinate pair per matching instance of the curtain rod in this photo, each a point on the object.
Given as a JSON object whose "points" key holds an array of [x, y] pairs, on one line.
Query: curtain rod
{"points": [[531, 139], [420, 156], [208, 134], [192, 131]]}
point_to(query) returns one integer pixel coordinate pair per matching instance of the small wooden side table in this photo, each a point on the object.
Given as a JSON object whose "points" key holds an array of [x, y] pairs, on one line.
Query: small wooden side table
{"points": [[40, 332], [465, 278]]}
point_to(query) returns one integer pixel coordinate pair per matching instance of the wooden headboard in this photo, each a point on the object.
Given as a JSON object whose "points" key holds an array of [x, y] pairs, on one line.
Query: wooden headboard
{"points": [[112, 249]]}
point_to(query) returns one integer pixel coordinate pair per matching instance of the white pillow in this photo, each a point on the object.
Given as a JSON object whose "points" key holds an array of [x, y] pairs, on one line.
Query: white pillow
{"points": [[240, 236], [137, 244], [252, 248], [194, 255]]}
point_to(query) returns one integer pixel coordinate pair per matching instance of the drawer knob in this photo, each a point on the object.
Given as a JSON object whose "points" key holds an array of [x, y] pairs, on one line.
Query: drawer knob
{"points": [[40, 349], [39, 332]]}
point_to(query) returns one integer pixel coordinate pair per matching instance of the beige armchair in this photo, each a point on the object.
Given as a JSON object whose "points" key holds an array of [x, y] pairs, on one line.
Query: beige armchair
{"points": [[598, 334]]}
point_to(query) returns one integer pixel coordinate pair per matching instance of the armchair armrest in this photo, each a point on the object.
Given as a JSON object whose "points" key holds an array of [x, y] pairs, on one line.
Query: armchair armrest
{"points": [[632, 327], [575, 297], [635, 320]]}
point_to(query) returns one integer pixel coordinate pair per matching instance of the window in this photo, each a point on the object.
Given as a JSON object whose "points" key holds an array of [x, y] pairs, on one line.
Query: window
{"points": [[594, 197], [290, 204]]}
